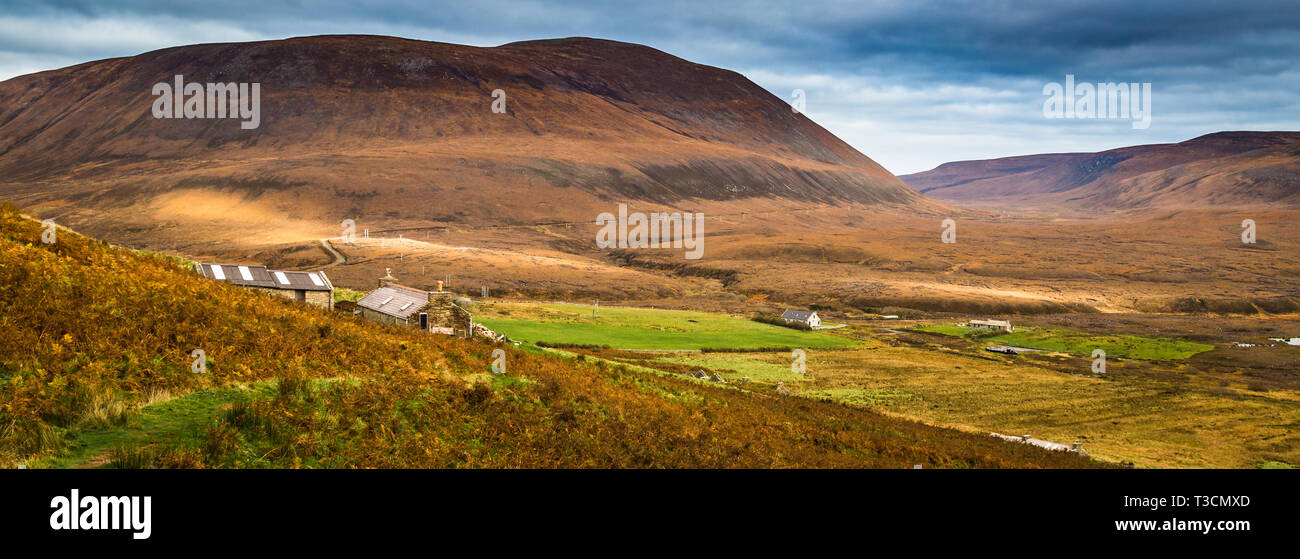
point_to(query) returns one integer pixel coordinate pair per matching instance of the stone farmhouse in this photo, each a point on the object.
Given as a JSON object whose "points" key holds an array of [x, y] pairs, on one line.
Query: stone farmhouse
{"points": [[431, 311]]}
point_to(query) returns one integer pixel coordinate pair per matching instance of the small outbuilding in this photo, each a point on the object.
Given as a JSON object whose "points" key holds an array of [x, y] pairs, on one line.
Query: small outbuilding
{"points": [[313, 288]]}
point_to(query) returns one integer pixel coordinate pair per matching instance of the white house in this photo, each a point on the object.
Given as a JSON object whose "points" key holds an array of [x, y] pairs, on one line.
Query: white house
{"points": [[807, 318], [1004, 325]]}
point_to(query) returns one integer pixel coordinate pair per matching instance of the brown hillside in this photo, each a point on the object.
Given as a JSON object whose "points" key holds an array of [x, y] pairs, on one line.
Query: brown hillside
{"points": [[1227, 169], [400, 130]]}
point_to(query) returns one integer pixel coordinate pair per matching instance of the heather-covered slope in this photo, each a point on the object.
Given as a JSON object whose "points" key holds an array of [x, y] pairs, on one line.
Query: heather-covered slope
{"points": [[95, 369]]}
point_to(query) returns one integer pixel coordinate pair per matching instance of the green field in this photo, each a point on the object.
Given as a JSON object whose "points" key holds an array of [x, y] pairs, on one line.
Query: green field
{"points": [[637, 328], [1080, 343], [947, 329], [1083, 343]]}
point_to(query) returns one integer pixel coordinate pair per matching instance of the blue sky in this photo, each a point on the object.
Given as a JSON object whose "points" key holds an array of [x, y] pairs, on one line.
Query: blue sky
{"points": [[910, 83]]}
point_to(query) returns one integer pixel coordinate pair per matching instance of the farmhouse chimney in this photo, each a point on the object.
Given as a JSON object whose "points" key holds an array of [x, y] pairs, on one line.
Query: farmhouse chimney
{"points": [[388, 277]]}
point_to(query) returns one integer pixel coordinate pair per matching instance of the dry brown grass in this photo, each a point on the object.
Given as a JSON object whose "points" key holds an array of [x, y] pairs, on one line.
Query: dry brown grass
{"points": [[1134, 414]]}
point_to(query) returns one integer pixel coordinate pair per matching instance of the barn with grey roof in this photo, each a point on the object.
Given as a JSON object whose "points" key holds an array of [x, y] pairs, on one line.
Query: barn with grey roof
{"points": [[309, 287]]}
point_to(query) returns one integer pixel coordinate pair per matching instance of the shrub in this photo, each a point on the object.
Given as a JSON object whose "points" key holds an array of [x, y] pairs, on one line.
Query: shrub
{"points": [[153, 457], [564, 345], [1222, 391], [777, 321]]}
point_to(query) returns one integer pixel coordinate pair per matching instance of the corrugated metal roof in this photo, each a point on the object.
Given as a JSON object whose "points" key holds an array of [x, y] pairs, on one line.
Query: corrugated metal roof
{"points": [[301, 280], [791, 314], [257, 276], [395, 300], [260, 276]]}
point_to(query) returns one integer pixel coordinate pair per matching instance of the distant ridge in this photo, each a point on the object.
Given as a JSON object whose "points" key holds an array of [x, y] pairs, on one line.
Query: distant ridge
{"points": [[1225, 169]]}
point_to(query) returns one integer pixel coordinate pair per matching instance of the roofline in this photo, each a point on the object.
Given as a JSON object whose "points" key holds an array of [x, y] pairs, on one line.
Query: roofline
{"points": [[326, 278], [329, 285], [406, 287]]}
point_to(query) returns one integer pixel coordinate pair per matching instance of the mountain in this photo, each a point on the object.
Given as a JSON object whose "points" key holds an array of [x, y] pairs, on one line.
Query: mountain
{"points": [[404, 131], [96, 369], [1226, 169]]}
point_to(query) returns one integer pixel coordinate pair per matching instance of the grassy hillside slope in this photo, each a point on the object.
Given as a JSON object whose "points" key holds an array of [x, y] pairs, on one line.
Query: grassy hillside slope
{"points": [[95, 369]]}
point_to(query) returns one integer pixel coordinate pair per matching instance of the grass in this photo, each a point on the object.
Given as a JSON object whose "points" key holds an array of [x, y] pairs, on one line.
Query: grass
{"points": [[1159, 421], [860, 396], [1149, 412], [1275, 465], [345, 294], [764, 368], [179, 421], [950, 330], [1083, 343], [638, 328]]}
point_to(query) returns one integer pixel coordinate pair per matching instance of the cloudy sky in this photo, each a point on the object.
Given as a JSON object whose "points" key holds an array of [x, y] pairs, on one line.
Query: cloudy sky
{"points": [[911, 83]]}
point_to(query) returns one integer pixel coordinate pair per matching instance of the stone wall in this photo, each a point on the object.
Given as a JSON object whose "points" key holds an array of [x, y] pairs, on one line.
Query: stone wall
{"points": [[445, 314], [378, 316], [322, 299]]}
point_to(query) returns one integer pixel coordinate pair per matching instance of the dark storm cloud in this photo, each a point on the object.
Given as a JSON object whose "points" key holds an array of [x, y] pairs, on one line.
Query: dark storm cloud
{"points": [[912, 84]]}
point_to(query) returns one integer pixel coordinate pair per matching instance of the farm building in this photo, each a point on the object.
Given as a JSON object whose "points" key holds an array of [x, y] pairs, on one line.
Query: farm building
{"points": [[309, 287], [807, 318], [432, 311], [1003, 325]]}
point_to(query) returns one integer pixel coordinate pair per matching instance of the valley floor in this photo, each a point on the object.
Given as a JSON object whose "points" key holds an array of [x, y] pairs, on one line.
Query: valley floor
{"points": [[1162, 401], [1210, 390]]}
